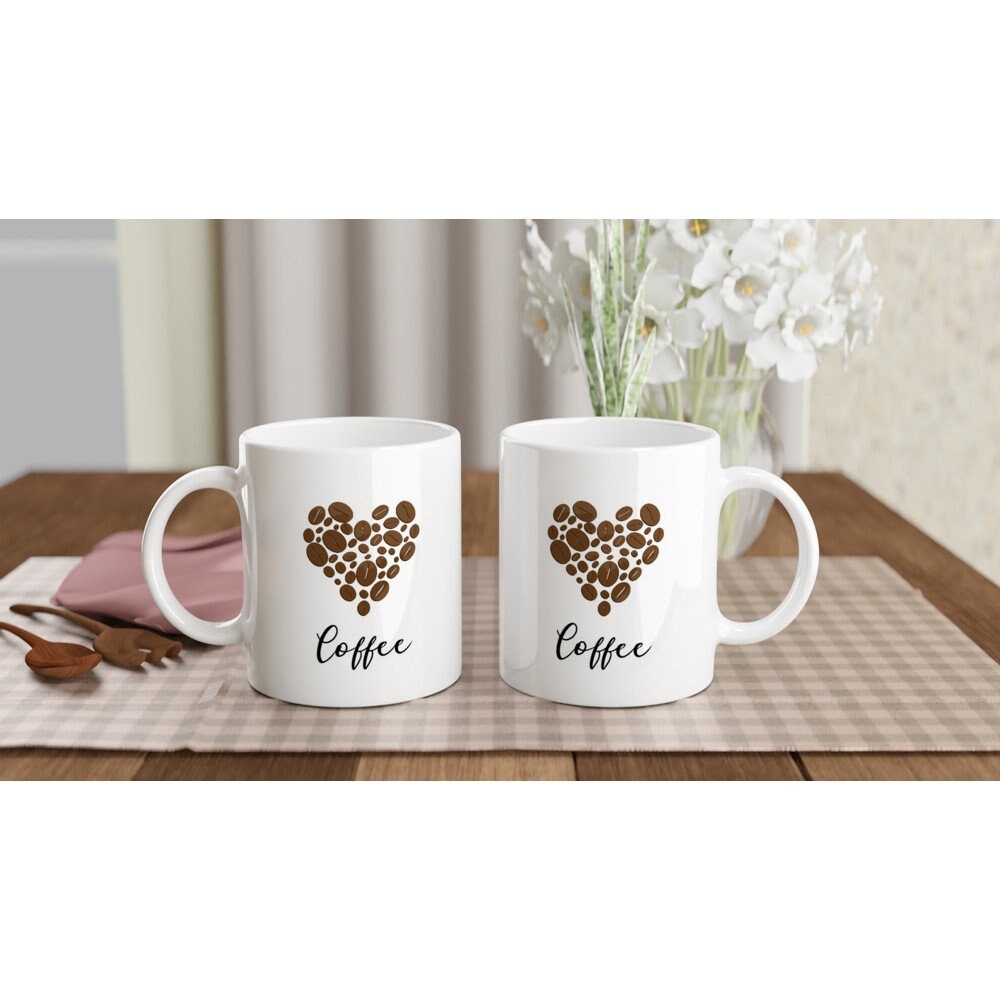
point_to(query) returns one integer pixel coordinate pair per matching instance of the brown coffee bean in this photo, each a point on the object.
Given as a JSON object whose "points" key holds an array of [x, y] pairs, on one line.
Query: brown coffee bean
{"points": [[635, 574], [414, 530], [346, 528], [592, 576], [362, 530], [553, 532], [594, 542], [623, 514], [327, 571], [635, 540], [589, 591], [347, 592], [561, 512], [407, 551], [334, 540], [619, 541], [341, 568], [604, 609], [375, 527], [350, 556], [392, 572], [608, 573], [363, 608], [605, 530], [340, 512], [581, 566], [382, 550], [379, 512], [380, 590], [650, 514], [350, 577], [579, 579], [381, 575], [363, 594], [316, 554], [367, 573], [585, 511], [604, 593], [390, 522], [560, 552], [577, 539], [658, 535], [572, 520], [593, 556], [570, 570], [381, 562], [650, 554], [621, 592], [316, 515], [634, 525], [590, 527], [623, 563], [308, 535], [405, 511], [606, 549], [392, 539], [376, 539]]}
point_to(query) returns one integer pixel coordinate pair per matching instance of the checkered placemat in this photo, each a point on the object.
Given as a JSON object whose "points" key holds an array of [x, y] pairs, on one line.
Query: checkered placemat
{"points": [[869, 665]]}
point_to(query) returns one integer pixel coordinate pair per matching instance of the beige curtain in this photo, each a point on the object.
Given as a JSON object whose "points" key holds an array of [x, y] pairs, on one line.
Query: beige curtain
{"points": [[401, 318]]}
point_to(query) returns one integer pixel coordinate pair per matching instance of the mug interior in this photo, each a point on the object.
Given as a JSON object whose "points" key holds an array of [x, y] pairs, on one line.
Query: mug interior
{"points": [[335, 433], [615, 433]]}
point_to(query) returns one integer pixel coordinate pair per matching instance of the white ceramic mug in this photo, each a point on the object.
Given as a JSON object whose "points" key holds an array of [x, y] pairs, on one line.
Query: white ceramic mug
{"points": [[352, 559], [608, 544]]}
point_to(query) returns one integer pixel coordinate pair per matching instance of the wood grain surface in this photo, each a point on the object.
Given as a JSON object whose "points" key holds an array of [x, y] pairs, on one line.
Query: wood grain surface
{"points": [[68, 513]]}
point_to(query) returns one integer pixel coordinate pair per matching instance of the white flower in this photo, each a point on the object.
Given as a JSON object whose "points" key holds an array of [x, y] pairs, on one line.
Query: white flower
{"points": [[687, 327], [694, 235], [575, 271], [862, 317], [662, 293], [797, 244], [537, 324], [666, 366], [792, 347], [734, 302]]}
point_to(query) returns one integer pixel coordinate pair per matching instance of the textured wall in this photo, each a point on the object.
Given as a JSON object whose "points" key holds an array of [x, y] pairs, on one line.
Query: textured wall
{"points": [[915, 418]]}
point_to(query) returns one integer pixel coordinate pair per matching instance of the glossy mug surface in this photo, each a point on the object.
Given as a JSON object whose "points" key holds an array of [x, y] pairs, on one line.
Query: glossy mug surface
{"points": [[608, 547], [352, 559]]}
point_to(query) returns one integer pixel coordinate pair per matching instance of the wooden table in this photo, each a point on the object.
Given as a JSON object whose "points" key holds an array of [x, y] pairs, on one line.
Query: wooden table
{"points": [[49, 514]]}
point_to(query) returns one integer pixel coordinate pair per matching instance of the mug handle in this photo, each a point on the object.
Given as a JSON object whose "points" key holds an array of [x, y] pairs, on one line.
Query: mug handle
{"points": [[217, 477], [743, 477]]}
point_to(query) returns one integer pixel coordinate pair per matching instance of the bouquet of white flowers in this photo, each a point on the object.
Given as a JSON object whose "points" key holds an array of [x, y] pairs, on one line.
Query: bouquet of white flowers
{"points": [[719, 296], [687, 319]]}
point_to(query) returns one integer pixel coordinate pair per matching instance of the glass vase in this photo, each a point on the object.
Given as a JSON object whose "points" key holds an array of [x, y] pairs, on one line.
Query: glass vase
{"points": [[734, 406]]}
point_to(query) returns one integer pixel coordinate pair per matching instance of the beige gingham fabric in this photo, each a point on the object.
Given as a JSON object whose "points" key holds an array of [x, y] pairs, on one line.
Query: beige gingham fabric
{"points": [[869, 665]]}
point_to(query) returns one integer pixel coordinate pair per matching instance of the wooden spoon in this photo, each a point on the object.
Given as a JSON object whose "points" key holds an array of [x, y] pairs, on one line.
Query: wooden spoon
{"points": [[60, 660], [124, 647]]}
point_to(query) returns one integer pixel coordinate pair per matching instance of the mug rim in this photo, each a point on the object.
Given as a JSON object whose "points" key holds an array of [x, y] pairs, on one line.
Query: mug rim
{"points": [[445, 433], [514, 434]]}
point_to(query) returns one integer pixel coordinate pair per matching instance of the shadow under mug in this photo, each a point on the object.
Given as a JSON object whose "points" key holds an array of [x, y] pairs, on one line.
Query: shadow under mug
{"points": [[608, 549], [352, 559]]}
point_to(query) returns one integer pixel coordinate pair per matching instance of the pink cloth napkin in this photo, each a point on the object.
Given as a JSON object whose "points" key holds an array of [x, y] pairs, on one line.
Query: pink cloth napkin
{"points": [[206, 574]]}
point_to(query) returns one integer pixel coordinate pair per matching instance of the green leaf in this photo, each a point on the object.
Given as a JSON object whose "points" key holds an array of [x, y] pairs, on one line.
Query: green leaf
{"points": [[635, 317], [640, 247], [585, 350], [638, 379], [601, 296]]}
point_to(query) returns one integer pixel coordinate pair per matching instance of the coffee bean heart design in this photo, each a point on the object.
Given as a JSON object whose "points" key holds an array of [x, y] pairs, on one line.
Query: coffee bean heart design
{"points": [[361, 556], [605, 556]]}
